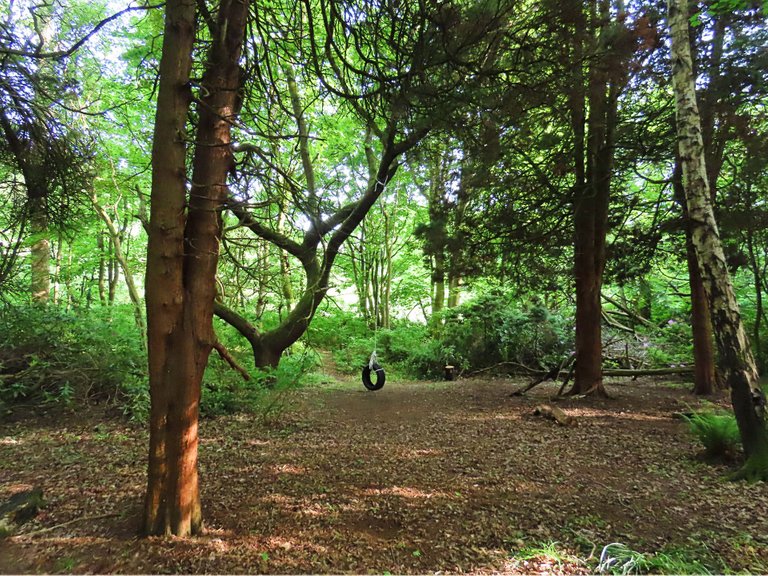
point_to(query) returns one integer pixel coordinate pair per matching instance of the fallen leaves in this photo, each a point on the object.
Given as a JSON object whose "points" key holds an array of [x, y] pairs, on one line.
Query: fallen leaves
{"points": [[414, 478]]}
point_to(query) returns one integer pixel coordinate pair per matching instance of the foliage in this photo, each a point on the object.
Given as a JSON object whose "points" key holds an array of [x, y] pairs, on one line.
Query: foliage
{"points": [[333, 330], [265, 395], [494, 328], [617, 558], [53, 356], [50, 355], [717, 431], [548, 551]]}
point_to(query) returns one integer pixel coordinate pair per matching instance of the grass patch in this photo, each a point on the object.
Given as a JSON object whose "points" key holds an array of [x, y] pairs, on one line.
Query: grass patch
{"points": [[618, 558]]}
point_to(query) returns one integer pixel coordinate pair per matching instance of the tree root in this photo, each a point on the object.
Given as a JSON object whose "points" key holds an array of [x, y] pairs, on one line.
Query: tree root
{"points": [[755, 469]]}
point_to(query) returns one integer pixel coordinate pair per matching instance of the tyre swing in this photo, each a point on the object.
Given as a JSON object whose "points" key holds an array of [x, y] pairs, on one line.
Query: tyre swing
{"points": [[373, 366]]}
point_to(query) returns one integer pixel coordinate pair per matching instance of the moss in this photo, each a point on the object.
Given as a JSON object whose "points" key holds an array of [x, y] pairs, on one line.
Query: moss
{"points": [[755, 469]]}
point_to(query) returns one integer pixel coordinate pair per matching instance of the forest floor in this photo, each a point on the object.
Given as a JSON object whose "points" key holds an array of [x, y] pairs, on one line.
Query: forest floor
{"points": [[415, 478]]}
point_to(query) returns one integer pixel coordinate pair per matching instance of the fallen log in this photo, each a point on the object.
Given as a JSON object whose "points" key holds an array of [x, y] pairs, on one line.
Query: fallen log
{"points": [[647, 371], [554, 413]]}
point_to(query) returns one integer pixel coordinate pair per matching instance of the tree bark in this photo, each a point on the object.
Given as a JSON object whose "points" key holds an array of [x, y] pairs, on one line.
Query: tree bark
{"points": [[167, 511], [594, 167], [40, 251], [735, 354], [183, 254]]}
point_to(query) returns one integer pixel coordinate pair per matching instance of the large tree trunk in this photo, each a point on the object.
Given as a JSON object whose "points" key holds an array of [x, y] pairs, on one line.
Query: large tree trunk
{"points": [[735, 354], [594, 167], [182, 256], [705, 378], [167, 511]]}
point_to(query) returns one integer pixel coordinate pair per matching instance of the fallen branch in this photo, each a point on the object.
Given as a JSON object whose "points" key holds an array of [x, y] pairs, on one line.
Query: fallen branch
{"points": [[627, 311], [554, 413], [57, 526], [615, 324], [553, 374], [648, 371], [500, 364]]}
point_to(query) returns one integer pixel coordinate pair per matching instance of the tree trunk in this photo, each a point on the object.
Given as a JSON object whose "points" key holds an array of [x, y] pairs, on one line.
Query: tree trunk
{"points": [[589, 348], [592, 194], [172, 504], [183, 256], [102, 269], [438, 283], [733, 347], [705, 379], [40, 251], [454, 290], [114, 235], [758, 284]]}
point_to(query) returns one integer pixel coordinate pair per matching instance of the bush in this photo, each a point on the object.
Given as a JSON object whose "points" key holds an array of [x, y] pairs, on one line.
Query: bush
{"points": [[493, 328], [717, 431], [331, 331], [53, 356]]}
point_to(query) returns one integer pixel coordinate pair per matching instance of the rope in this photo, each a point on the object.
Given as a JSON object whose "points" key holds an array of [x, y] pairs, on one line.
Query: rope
{"points": [[373, 360]]}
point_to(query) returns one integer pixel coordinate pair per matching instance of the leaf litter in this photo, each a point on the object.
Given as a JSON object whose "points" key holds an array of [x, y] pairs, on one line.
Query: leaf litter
{"points": [[415, 478]]}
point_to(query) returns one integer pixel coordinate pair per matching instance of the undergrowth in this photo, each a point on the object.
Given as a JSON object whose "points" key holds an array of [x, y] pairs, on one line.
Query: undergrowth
{"points": [[717, 431], [50, 356], [617, 558]]}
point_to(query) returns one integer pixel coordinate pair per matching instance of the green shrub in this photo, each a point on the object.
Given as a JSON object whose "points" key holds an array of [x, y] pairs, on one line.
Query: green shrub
{"points": [[493, 328], [53, 356], [334, 330], [49, 356], [717, 431]]}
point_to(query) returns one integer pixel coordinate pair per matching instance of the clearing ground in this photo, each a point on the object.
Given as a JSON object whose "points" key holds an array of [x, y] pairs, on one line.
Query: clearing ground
{"points": [[414, 478]]}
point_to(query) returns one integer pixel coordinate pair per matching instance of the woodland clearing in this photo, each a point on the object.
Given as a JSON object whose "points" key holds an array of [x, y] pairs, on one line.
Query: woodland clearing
{"points": [[415, 478]]}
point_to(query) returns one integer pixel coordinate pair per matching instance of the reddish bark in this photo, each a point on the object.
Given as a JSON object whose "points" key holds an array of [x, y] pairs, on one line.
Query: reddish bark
{"points": [[183, 256], [705, 380]]}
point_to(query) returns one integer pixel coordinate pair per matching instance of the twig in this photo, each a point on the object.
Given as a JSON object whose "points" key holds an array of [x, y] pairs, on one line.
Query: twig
{"points": [[81, 519]]}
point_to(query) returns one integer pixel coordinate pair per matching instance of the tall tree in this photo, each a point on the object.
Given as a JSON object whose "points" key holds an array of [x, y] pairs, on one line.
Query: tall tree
{"points": [[399, 70], [185, 228], [605, 43], [735, 354]]}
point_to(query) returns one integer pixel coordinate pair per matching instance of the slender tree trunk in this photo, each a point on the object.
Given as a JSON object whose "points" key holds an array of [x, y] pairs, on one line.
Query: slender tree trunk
{"points": [[386, 272], [285, 269], [735, 354], [438, 283], [757, 283], [102, 269], [133, 293], [40, 250]]}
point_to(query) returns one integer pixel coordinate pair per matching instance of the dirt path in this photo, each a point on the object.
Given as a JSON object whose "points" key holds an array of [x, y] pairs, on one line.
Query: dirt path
{"points": [[414, 478]]}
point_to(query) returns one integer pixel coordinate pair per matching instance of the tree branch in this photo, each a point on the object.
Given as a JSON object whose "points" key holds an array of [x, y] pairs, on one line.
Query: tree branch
{"points": [[58, 54]]}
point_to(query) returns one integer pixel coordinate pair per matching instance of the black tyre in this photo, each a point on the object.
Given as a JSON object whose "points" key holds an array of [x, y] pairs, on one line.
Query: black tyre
{"points": [[380, 377]]}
